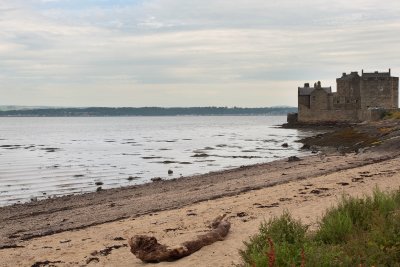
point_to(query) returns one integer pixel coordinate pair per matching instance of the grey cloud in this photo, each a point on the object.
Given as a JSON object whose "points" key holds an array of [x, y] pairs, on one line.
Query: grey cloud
{"points": [[166, 47]]}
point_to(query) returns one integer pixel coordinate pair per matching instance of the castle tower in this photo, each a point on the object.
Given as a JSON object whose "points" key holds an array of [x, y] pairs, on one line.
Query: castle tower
{"points": [[379, 90]]}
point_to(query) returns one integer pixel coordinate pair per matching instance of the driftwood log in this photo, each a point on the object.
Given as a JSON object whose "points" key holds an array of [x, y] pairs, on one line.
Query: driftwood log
{"points": [[147, 248]]}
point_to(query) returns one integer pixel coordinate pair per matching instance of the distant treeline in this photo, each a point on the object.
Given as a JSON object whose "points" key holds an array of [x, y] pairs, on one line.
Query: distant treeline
{"points": [[145, 111]]}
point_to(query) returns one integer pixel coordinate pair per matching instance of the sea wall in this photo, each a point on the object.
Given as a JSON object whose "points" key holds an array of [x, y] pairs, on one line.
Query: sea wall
{"points": [[316, 116], [371, 114]]}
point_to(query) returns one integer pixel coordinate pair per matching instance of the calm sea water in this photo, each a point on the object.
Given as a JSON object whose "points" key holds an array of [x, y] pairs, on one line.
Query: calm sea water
{"points": [[46, 157]]}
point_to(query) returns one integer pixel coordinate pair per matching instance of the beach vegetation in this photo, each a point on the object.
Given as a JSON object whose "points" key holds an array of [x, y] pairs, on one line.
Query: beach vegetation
{"points": [[392, 115], [348, 138], [386, 130], [357, 232]]}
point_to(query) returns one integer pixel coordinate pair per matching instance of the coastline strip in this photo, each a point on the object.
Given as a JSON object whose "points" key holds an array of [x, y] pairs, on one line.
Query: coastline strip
{"points": [[36, 219], [308, 199]]}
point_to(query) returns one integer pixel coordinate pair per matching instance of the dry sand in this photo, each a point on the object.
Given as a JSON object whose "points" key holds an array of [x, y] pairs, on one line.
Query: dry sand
{"points": [[249, 195]]}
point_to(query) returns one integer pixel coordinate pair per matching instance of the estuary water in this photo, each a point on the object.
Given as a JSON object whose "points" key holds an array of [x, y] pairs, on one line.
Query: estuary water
{"points": [[47, 157]]}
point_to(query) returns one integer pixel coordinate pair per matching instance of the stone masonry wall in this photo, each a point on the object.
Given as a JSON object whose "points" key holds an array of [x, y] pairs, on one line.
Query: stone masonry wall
{"points": [[304, 100], [345, 103], [371, 114], [316, 116], [321, 109], [378, 93], [348, 88], [319, 100], [395, 86]]}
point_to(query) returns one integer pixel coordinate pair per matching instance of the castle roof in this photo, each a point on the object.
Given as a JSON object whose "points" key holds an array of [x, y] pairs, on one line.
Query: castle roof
{"points": [[309, 90]]}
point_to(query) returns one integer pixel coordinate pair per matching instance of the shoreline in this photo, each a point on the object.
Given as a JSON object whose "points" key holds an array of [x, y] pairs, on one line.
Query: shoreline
{"points": [[310, 187], [93, 228], [46, 217]]}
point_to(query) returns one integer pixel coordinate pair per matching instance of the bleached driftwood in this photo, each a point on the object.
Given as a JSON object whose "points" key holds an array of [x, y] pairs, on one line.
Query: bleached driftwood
{"points": [[147, 249]]}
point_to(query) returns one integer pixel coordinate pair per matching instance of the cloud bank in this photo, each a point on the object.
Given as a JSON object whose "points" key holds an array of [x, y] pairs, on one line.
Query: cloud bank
{"points": [[187, 53]]}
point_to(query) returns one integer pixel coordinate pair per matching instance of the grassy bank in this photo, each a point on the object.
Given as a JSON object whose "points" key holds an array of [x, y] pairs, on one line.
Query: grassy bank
{"points": [[358, 232]]}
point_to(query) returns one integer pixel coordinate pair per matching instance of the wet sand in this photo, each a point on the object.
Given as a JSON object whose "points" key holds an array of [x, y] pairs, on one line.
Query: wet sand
{"points": [[93, 229]]}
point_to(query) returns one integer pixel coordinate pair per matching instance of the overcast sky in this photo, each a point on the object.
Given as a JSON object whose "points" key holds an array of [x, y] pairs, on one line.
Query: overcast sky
{"points": [[247, 53]]}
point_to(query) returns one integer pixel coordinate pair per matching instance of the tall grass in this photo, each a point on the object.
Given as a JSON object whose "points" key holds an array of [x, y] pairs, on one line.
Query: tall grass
{"points": [[358, 232], [288, 233]]}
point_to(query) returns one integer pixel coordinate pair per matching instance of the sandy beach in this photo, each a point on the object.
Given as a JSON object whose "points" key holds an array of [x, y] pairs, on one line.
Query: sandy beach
{"points": [[93, 229]]}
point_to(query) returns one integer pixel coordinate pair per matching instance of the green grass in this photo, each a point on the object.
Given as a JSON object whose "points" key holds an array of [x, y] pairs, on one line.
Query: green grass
{"points": [[358, 231]]}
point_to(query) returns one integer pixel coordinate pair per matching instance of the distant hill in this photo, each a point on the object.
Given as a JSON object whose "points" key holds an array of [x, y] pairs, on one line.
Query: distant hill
{"points": [[6, 108], [144, 111]]}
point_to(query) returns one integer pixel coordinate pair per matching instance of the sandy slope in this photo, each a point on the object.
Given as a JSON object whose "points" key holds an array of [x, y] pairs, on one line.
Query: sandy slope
{"points": [[307, 199]]}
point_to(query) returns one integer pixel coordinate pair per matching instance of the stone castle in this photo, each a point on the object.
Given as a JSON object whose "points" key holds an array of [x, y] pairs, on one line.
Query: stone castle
{"points": [[358, 98]]}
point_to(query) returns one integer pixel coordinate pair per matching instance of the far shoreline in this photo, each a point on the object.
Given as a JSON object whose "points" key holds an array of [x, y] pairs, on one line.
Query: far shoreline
{"points": [[146, 111], [150, 116]]}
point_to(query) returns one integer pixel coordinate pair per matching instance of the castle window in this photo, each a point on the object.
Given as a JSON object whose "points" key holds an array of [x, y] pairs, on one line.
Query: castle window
{"points": [[338, 101], [348, 101]]}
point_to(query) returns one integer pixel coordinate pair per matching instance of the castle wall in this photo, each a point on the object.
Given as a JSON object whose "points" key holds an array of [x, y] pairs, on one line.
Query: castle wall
{"points": [[292, 118], [395, 92], [379, 92], [313, 116], [371, 114], [349, 88], [304, 100], [345, 102], [322, 109], [319, 100]]}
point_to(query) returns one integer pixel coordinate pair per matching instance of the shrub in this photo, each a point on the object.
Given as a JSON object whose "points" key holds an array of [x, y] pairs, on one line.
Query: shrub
{"points": [[359, 231], [282, 235]]}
